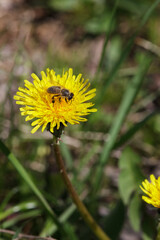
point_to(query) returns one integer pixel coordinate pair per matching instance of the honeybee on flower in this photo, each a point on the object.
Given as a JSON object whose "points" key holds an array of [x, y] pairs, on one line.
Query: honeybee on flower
{"points": [[59, 92], [55, 100]]}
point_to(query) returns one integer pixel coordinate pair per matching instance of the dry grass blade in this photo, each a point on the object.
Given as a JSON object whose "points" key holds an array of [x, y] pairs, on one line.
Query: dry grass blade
{"points": [[25, 235]]}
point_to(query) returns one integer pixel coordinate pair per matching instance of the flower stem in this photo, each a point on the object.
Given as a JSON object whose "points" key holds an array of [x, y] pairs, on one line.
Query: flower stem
{"points": [[96, 229]]}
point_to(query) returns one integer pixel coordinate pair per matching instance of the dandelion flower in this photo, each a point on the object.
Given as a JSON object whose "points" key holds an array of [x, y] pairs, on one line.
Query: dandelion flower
{"points": [[43, 107], [152, 189]]}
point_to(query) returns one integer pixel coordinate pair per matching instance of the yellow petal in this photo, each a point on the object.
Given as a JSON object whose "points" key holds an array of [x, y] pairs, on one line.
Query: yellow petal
{"points": [[42, 108]]}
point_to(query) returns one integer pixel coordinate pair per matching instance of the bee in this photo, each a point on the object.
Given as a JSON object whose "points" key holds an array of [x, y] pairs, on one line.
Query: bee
{"points": [[59, 92]]}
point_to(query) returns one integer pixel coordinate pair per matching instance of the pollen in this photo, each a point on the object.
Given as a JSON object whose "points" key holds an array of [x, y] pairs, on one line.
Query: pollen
{"points": [[55, 100]]}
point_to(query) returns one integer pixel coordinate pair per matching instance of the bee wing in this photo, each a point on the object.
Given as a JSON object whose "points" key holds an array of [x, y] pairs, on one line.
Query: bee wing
{"points": [[54, 89]]}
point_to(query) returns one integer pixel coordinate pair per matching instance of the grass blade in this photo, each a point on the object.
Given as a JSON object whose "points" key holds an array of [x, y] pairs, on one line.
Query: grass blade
{"points": [[130, 133], [21, 217], [125, 53], [17, 208], [23, 173], [7, 198], [66, 155], [51, 228], [108, 32], [129, 96]]}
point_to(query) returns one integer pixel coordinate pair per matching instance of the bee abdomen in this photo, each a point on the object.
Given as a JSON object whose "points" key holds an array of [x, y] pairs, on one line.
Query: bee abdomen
{"points": [[54, 89]]}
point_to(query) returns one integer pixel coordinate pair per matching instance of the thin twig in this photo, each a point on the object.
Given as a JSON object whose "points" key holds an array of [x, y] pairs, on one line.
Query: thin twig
{"points": [[20, 235], [153, 48]]}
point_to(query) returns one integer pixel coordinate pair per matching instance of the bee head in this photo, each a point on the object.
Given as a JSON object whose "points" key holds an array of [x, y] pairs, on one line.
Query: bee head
{"points": [[70, 96]]}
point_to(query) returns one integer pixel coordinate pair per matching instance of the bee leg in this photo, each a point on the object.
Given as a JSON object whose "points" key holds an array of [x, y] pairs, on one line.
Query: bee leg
{"points": [[60, 99], [66, 99], [53, 101]]}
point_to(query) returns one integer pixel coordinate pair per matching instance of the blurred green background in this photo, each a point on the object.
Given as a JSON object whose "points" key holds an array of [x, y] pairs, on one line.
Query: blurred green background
{"points": [[116, 44]]}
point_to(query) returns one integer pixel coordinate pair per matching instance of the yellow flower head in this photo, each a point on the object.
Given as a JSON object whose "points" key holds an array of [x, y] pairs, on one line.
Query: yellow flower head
{"points": [[152, 189], [55, 99]]}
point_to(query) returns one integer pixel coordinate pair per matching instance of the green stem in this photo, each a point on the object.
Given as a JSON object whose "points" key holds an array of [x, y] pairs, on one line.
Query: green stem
{"points": [[96, 229], [158, 232]]}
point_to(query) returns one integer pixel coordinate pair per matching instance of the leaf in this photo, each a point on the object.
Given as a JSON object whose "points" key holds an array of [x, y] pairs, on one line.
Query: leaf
{"points": [[65, 5], [135, 212], [130, 176], [99, 24], [136, 7], [148, 227], [114, 222]]}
